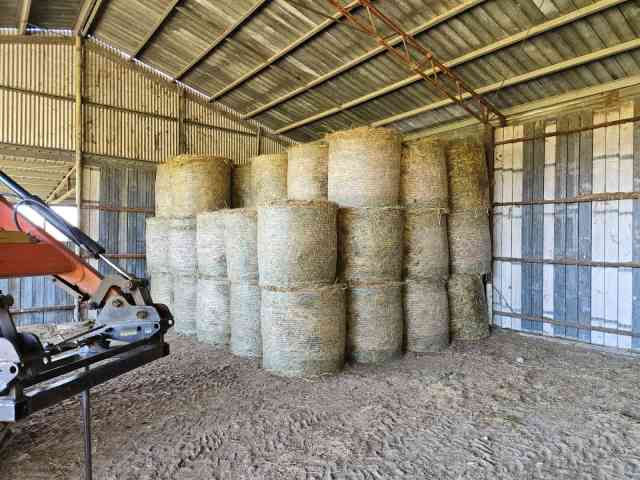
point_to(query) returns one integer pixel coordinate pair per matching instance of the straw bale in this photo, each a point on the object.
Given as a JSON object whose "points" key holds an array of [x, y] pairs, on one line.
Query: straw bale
{"points": [[182, 246], [241, 187], [213, 324], [162, 289], [370, 244], [241, 244], [210, 244], [297, 244], [185, 303], [364, 167], [426, 244], [468, 178], [303, 331], [470, 241], [269, 178], [307, 172], [467, 307], [163, 191], [423, 174], [244, 310], [374, 322], [157, 244], [426, 310]]}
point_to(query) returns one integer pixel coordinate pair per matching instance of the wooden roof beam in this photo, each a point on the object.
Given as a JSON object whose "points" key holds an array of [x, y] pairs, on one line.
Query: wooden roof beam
{"points": [[90, 13], [473, 55], [156, 28], [333, 19], [230, 30], [431, 23], [23, 16]]}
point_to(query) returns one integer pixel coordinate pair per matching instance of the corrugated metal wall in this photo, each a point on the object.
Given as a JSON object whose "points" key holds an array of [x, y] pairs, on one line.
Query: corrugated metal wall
{"points": [[567, 227]]}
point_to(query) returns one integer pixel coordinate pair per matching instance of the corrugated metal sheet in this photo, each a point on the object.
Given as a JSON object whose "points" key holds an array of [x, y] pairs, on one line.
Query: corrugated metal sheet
{"points": [[566, 263]]}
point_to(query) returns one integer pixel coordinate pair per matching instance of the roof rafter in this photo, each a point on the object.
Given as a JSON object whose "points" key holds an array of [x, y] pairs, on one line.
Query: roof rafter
{"points": [[156, 28], [230, 30], [437, 20], [473, 55], [332, 20], [23, 16], [89, 16], [525, 77]]}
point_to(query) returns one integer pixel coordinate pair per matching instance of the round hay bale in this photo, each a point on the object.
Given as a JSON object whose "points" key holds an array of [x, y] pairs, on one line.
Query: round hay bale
{"points": [[467, 307], [162, 289], [307, 172], [241, 244], [182, 246], [374, 322], [164, 191], [423, 174], [303, 331], [185, 303], [297, 244], [370, 244], [470, 241], [364, 167], [210, 245], [468, 178], [157, 244], [244, 309], [269, 177], [200, 183], [426, 244], [241, 187], [213, 324], [426, 316]]}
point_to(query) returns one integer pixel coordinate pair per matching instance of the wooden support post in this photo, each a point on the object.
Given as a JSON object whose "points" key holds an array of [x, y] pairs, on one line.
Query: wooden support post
{"points": [[182, 134], [78, 70], [259, 141]]}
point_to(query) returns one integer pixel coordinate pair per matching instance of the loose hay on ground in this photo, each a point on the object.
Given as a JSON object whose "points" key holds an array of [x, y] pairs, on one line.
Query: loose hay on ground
{"points": [[307, 172], [423, 174], [303, 331], [426, 244], [297, 244], [467, 307], [426, 311], [210, 244], [269, 177], [364, 167], [370, 244], [241, 244]]}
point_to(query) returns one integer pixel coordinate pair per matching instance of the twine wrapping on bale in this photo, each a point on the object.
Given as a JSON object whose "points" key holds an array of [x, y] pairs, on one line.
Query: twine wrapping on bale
{"points": [[241, 187], [470, 241], [210, 245], [468, 178], [185, 303], [164, 191], [426, 316], [364, 167], [297, 244], [426, 244], [213, 322], [423, 174], [307, 172], [157, 244], [374, 322], [241, 244], [467, 307], [269, 178], [200, 183], [303, 331], [182, 246], [244, 311], [162, 289], [370, 244]]}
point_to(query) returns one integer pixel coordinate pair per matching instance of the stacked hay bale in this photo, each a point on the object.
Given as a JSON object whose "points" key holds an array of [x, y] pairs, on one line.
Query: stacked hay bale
{"points": [[185, 186], [307, 172], [469, 239], [302, 309], [241, 247], [425, 195], [364, 180], [241, 187], [269, 178], [212, 323]]}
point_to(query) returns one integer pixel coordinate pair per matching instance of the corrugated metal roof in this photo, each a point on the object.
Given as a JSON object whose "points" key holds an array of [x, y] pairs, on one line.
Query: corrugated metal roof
{"points": [[294, 68]]}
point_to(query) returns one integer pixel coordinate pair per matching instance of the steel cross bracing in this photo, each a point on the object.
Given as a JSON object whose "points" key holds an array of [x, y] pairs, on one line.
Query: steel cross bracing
{"points": [[439, 75]]}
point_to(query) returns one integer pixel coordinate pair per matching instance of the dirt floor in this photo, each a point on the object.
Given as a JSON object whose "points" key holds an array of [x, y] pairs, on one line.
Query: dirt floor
{"points": [[510, 407]]}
